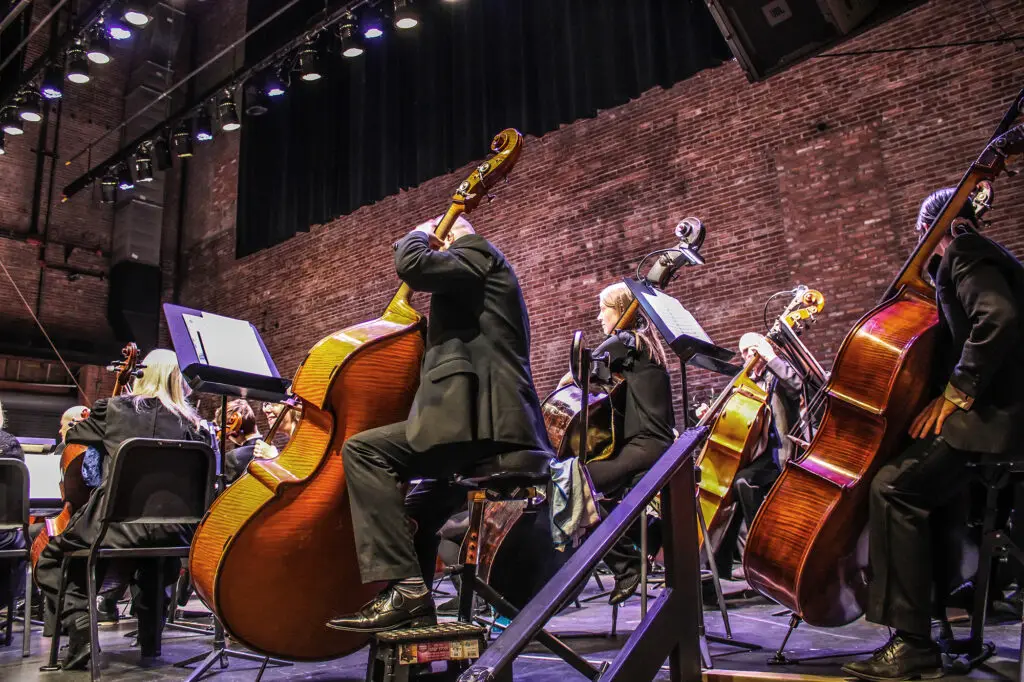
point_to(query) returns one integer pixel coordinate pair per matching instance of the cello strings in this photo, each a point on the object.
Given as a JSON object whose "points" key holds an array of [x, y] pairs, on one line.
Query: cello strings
{"points": [[41, 328]]}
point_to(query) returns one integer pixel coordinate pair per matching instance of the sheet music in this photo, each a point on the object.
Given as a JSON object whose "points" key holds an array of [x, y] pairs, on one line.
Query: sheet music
{"points": [[228, 343], [43, 477], [677, 318]]}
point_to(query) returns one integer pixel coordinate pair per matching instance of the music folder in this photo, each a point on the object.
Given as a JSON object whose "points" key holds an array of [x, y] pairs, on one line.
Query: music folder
{"points": [[223, 355], [680, 330]]}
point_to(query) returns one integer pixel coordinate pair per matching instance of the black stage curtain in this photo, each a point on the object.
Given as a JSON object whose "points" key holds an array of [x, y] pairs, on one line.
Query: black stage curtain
{"points": [[423, 102], [10, 38]]}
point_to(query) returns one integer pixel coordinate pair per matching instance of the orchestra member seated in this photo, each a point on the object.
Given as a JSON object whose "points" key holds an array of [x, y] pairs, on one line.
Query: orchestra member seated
{"points": [[245, 439], [475, 400], [10, 448], [977, 411], [648, 419], [157, 408]]}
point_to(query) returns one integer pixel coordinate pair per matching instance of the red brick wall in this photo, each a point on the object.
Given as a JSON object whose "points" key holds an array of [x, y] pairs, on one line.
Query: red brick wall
{"points": [[814, 176]]}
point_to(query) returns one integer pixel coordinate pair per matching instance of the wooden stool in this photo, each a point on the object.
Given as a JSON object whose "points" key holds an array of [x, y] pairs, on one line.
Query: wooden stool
{"points": [[396, 654]]}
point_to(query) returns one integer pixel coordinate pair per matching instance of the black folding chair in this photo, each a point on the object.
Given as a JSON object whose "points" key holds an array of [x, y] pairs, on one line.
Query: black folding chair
{"points": [[151, 482], [14, 519]]}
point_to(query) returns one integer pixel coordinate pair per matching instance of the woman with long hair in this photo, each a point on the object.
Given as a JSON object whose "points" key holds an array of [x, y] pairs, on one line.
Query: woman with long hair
{"points": [[157, 408]]}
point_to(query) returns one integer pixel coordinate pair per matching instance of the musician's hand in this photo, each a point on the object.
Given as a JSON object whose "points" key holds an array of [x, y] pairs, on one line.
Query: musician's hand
{"points": [[701, 410], [264, 450], [932, 417], [565, 381], [765, 349], [428, 228]]}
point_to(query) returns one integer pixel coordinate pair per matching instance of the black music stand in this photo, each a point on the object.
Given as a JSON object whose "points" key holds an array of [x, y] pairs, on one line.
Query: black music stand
{"points": [[692, 346], [226, 357]]}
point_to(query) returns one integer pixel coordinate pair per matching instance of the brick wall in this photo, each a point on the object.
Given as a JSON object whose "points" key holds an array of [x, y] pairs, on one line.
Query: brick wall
{"points": [[814, 176]]}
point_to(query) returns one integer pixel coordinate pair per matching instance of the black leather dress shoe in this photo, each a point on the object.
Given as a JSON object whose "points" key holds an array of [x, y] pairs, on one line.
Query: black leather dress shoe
{"points": [[79, 647], [899, 660], [625, 587], [391, 610]]}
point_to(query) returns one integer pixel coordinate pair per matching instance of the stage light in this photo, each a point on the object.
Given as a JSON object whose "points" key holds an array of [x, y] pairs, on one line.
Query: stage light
{"points": [[204, 126], [309, 63], [135, 15], [99, 48], [256, 102], [228, 113], [371, 25], [52, 86], [124, 179], [183, 140], [30, 106], [162, 153], [11, 122], [274, 86], [116, 27], [406, 16], [144, 162], [78, 66], [351, 39], [108, 188]]}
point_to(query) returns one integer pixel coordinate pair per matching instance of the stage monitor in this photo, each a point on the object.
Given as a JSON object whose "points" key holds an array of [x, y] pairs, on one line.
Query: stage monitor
{"points": [[768, 36]]}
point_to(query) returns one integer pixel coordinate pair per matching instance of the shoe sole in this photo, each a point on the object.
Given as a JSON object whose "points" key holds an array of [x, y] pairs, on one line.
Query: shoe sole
{"points": [[931, 675], [421, 622]]}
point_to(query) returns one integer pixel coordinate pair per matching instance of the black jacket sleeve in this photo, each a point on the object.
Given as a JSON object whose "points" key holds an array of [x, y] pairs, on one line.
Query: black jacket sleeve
{"points": [[790, 380], [991, 307], [91, 431], [425, 269]]}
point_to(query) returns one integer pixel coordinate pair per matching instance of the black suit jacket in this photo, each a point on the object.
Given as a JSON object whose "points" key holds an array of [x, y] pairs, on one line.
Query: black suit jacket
{"points": [[236, 461], [979, 288], [476, 382]]}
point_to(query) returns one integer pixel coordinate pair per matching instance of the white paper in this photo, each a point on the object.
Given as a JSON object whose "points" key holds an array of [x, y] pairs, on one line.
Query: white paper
{"points": [[227, 343], [677, 319], [43, 477]]}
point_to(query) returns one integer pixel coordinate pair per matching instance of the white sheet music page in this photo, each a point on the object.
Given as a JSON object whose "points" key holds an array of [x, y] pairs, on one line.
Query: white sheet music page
{"points": [[227, 343], [677, 318]]}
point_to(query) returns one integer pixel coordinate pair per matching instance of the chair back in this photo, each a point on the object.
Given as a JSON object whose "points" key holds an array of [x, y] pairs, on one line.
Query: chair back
{"points": [[159, 481], [13, 494]]}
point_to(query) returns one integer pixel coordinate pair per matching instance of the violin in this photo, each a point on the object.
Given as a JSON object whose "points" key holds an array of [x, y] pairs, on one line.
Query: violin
{"points": [[74, 492]]}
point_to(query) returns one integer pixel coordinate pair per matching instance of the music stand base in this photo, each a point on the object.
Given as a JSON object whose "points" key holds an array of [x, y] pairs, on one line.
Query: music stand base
{"points": [[209, 659]]}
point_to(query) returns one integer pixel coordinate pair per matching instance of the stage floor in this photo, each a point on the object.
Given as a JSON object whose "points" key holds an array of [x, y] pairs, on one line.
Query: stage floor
{"points": [[586, 629]]}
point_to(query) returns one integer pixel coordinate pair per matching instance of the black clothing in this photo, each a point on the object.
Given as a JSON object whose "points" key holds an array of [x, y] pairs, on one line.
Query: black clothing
{"points": [[10, 447], [475, 382], [236, 461], [752, 484], [475, 400], [979, 288], [111, 422]]}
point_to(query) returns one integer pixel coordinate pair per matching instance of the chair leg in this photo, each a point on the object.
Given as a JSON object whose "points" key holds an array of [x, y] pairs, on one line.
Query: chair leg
{"points": [[94, 623], [9, 626], [59, 617], [26, 643]]}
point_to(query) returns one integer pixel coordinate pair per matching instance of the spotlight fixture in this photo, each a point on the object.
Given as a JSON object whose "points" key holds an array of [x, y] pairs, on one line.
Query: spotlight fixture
{"points": [[227, 113], [11, 122], [144, 162], [108, 187], [124, 179], [99, 48], [134, 14], [256, 100], [406, 16], [161, 153], [30, 106], [371, 25], [182, 140], [351, 38], [275, 86], [309, 63], [204, 126], [53, 82], [116, 27], [78, 66]]}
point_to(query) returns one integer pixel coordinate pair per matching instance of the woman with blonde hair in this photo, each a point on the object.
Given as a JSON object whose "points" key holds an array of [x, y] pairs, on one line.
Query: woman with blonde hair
{"points": [[645, 415], [157, 408]]}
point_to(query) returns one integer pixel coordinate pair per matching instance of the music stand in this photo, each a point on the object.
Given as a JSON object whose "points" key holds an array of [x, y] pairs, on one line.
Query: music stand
{"points": [[692, 346], [226, 357]]}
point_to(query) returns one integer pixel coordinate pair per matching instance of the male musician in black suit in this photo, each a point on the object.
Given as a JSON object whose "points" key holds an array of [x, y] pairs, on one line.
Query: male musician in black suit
{"points": [[979, 289], [475, 400]]}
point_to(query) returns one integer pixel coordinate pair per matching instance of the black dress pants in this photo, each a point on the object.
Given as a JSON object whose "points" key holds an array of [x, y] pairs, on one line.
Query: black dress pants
{"points": [[904, 556], [377, 463], [750, 486]]}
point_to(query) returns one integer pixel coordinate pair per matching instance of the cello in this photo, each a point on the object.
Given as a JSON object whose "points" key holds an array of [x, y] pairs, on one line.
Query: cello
{"points": [[738, 415], [274, 557], [73, 490], [806, 547]]}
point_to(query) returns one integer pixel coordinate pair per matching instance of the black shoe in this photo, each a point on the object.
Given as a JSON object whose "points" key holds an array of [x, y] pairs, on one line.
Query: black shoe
{"points": [[106, 611], [79, 646], [625, 587], [391, 610], [899, 660]]}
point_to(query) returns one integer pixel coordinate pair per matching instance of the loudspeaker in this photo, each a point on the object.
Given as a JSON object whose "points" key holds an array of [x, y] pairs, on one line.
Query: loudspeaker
{"points": [[133, 303], [768, 36]]}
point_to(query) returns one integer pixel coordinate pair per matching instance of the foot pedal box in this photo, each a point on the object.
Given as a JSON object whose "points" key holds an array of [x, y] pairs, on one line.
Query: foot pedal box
{"points": [[400, 655]]}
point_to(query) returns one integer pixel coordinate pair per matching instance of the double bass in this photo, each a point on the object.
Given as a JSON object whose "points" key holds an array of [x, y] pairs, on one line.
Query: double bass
{"points": [[805, 548], [73, 490], [737, 418], [274, 556]]}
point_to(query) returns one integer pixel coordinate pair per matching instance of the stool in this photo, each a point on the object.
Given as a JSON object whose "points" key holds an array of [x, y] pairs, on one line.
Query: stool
{"points": [[510, 477], [995, 473], [396, 654]]}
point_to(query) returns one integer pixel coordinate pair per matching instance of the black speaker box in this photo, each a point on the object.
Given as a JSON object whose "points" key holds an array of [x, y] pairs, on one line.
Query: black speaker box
{"points": [[133, 304], [767, 36]]}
